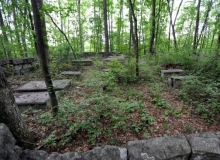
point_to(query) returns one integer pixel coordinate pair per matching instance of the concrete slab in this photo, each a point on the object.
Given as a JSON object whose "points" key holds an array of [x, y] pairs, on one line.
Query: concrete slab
{"points": [[39, 86], [84, 62], [71, 73], [176, 81], [171, 72], [32, 100], [110, 58]]}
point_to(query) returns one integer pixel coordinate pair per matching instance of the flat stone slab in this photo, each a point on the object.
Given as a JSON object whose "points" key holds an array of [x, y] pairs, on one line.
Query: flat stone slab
{"points": [[85, 62], [34, 100], [38, 86], [71, 73], [110, 58], [171, 72]]}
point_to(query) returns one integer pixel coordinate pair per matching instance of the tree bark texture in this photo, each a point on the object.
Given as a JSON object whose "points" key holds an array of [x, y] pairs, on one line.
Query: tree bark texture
{"points": [[195, 41], [9, 112], [153, 25], [106, 28], [42, 52], [5, 37], [134, 36], [43, 25]]}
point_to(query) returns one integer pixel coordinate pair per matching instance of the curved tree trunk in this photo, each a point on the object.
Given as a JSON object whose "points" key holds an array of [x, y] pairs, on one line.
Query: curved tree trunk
{"points": [[9, 112]]}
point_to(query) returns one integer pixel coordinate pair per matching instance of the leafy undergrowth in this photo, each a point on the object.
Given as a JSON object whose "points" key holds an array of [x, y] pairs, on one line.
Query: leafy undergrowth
{"points": [[103, 108]]}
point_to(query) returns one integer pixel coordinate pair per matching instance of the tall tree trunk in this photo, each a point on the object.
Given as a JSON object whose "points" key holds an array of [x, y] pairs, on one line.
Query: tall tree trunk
{"points": [[206, 20], [40, 5], [195, 41], [42, 52], [80, 28], [106, 28], [158, 24], [153, 25], [14, 3], [61, 21], [171, 23], [9, 112], [135, 36], [32, 26], [6, 41]]}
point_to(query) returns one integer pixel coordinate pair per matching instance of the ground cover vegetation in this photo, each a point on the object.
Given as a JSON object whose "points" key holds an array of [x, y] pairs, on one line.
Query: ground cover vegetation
{"points": [[130, 101]]}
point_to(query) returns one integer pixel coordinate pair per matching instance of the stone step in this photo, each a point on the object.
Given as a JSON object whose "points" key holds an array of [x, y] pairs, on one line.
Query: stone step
{"points": [[71, 73], [171, 72], [110, 58], [33, 100], [39, 86], [176, 81], [84, 62]]}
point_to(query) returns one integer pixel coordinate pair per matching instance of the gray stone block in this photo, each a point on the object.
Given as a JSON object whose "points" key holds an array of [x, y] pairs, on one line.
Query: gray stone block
{"points": [[17, 61], [40, 86], [7, 144], [176, 81], [106, 153], [65, 156], [162, 148], [205, 146], [171, 72], [33, 155]]}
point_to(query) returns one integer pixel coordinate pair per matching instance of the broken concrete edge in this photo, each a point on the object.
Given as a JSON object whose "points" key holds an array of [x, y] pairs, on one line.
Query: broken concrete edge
{"points": [[192, 147]]}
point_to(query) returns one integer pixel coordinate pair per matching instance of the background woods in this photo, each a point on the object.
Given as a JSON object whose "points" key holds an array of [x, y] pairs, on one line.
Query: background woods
{"points": [[95, 26]]}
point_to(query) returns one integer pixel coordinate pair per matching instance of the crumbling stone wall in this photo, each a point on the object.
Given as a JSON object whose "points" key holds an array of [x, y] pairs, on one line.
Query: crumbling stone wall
{"points": [[18, 66], [202, 146]]}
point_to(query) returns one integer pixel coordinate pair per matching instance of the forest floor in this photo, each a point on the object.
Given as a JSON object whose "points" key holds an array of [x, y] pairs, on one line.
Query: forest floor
{"points": [[92, 116]]}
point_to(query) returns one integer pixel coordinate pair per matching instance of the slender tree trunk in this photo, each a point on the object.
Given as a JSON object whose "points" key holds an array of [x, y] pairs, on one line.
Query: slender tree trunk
{"points": [[153, 25], [171, 24], [74, 54], [80, 28], [42, 52], [14, 3], [195, 41], [6, 41], [106, 28], [135, 37], [32, 27], [206, 20], [40, 5], [61, 21], [158, 24], [9, 112]]}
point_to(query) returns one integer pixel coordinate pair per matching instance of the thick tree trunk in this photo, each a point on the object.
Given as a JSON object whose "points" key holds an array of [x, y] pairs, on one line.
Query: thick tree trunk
{"points": [[106, 28], [9, 112], [42, 52], [195, 41], [153, 25]]}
